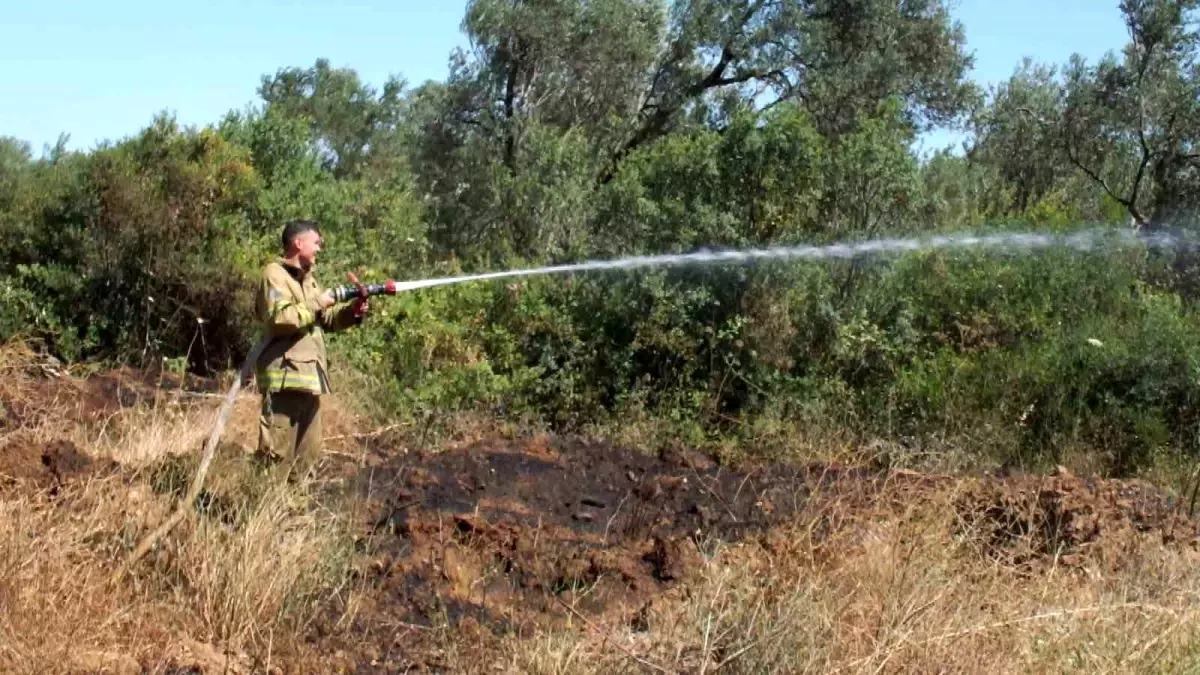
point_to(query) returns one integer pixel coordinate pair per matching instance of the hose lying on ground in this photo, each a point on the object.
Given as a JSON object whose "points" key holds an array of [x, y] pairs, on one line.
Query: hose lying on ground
{"points": [[206, 460]]}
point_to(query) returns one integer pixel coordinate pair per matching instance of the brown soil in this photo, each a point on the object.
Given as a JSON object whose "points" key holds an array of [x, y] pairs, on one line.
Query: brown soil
{"points": [[46, 466]]}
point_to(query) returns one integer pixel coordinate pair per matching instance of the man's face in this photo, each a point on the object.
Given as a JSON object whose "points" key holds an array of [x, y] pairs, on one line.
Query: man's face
{"points": [[307, 245]]}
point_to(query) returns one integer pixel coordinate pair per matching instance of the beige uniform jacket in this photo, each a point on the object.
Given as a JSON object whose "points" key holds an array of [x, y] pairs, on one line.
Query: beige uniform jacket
{"points": [[287, 306]]}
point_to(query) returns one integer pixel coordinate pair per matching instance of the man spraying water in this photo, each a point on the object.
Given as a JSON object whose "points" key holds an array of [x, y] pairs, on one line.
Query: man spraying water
{"points": [[296, 311], [292, 370]]}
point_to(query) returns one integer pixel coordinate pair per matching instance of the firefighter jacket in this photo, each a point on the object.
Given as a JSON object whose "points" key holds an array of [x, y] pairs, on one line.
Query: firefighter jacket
{"points": [[287, 306]]}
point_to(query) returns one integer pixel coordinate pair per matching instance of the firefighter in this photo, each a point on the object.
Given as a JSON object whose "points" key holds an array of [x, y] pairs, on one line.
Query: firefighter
{"points": [[293, 372]]}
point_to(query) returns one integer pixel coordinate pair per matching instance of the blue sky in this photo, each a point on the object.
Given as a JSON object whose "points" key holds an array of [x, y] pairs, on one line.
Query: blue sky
{"points": [[102, 70]]}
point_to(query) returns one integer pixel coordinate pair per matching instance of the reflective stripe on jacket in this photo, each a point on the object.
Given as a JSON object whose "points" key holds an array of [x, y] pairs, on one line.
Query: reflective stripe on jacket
{"points": [[287, 306]]}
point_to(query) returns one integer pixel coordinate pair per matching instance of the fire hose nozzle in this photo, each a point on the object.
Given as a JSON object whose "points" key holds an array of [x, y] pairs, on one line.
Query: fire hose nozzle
{"points": [[344, 293]]}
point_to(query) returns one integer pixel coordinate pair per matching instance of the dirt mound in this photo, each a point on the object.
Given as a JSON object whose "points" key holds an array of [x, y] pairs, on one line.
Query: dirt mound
{"points": [[1031, 521], [46, 466]]}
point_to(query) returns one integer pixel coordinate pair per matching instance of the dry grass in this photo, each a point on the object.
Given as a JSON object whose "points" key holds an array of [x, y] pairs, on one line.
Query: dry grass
{"points": [[892, 591], [231, 588], [52, 582], [250, 586]]}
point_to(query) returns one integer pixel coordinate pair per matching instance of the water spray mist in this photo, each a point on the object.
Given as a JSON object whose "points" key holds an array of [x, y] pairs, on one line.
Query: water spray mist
{"points": [[1013, 243]]}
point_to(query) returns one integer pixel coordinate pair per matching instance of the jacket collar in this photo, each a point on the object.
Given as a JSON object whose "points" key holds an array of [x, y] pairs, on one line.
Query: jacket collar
{"points": [[297, 273]]}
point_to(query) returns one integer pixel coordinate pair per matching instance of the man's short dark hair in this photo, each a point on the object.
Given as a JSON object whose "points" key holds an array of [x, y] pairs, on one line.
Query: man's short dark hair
{"points": [[295, 228]]}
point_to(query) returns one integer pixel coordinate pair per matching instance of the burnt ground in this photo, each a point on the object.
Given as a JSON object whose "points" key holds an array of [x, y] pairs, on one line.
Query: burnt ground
{"points": [[497, 536], [39, 395], [1031, 522], [559, 514], [509, 537], [34, 395], [500, 537]]}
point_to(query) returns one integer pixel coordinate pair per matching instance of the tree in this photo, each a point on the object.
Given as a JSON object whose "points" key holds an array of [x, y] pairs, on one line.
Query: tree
{"points": [[1131, 124], [565, 63], [352, 125], [755, 183], [839, 58], [617, 76], [871, 179], [507, 147], [1009, 138], [15, 161], [595, 64]]}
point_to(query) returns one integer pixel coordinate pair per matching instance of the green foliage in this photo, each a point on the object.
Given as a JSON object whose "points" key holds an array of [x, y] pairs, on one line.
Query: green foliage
{"points": [[756, 182], [354, 131], [1130, 123], [1122, 387]]}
